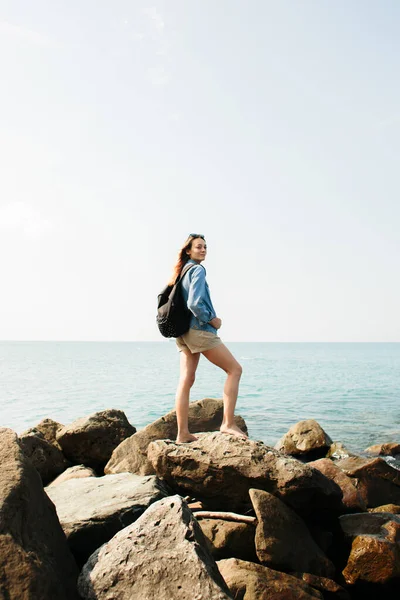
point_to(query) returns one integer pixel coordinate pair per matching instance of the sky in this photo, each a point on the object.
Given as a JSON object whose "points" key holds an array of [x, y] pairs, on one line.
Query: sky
{"points": [[271, 127]]}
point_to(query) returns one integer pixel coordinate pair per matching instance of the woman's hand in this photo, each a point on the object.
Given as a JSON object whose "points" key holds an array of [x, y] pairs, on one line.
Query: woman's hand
{"points": [[215, 322]]}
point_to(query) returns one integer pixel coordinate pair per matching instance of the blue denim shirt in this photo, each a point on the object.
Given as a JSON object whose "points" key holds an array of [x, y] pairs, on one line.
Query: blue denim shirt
{"points": [[196, 293]]}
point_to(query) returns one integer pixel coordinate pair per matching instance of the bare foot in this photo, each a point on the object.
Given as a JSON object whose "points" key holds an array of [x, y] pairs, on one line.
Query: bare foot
{"points": [[233, 430], [184, 439]]}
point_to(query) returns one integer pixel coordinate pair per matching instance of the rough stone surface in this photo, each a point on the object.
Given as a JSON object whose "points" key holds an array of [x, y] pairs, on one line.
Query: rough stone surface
{"points": [[49, 429], [352, 499], [375, 548], [249, 581], [47, 459], [91, 440], [93, 509], [228, 539], [394, 509], [131, 455], [75, 472], [338, 450], [329, 588], [390, 449], [35, 560], [282, 539], [163, 555], [377, 482], [305, 438], [222, 468]]}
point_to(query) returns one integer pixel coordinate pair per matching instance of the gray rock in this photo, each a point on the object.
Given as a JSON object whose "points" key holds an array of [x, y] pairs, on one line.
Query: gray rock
{"points": [[35, 559], [131, 455], [163, 555], [47, 459], [91, 440], [283, 541], [93, 509], [220, 469]]}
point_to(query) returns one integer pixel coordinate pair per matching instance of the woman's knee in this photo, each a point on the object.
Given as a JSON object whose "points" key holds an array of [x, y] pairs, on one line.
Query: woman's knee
{"points": [[236, 370], [188, 379]]}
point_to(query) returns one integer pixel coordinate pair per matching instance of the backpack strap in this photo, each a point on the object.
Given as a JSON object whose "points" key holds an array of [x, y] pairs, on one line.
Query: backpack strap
{"points": [[185, 269]]}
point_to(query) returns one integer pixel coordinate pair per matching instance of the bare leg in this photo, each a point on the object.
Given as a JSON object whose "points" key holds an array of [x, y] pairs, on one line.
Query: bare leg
{"points": [[188, 368], [222, 357]]}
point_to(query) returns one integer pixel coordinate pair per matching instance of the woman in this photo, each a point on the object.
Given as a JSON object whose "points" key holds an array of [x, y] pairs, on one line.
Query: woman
{"points": [[202, 338]]}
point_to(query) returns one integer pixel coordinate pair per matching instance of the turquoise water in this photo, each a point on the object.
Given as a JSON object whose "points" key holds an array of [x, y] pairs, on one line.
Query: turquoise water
{"points": [[352, 390]]}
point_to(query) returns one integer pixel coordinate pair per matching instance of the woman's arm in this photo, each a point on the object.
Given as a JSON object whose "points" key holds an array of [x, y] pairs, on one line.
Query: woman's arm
{"points": [[198, 298]]}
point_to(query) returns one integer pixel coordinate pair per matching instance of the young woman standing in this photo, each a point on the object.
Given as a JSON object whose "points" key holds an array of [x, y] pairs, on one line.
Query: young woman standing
{"points": [[202, 338]]}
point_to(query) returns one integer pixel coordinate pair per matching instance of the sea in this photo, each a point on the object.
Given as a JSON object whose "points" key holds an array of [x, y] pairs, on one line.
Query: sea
{"points": [[351, 389]]}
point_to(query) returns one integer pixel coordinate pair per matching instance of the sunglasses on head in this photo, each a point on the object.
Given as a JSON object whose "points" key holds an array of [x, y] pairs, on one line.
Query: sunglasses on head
{"points": [[196, 235]]}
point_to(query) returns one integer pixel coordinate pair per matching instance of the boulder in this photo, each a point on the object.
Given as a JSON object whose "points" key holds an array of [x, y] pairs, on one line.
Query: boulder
{"points": [[283, 541], [35, 559], [390, 449], [329, 588], [377, 482], [162, 555], [229, 539], [131, 454], [375, 550], [394, 509], [220, 469], [91, 440], [249, 581], [352, 499], [306, 439], [93, 509], [75, 472], [48, 428], [47, 459], [338, 450]]}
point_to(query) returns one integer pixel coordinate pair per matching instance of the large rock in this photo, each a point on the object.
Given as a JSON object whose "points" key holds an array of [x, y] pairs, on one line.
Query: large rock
{"points": [[221, 469], [377, 482], [249, 581], [389, 449], [387, 508], [35, 558], [91, 440], [93, 509], [131, 454], [283, 541], [229, 539], [375, 550], [48, 428], [306, 439], [75, 472], [47, 459], [352, 499], [329, 588], [163, 555]]}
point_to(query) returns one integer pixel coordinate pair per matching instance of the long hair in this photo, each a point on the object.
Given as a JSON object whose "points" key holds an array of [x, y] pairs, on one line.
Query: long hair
{"points": [[182, 258]]}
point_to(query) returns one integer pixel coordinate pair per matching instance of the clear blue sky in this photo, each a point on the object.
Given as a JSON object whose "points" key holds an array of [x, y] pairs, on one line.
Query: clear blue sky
{"points": [[271, 127]]}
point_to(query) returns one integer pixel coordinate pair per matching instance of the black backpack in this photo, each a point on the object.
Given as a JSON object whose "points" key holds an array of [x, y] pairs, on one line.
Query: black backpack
{"points": [[173, 315]]}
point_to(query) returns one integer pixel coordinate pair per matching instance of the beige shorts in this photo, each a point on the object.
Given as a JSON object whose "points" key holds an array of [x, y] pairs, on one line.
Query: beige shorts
{"points": [[197, 340]]}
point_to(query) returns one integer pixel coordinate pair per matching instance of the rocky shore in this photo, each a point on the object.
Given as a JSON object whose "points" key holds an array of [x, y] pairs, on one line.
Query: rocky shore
{"points": [[97, 510]]}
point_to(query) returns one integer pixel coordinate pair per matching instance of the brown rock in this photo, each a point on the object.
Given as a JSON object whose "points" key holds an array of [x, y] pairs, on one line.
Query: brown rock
{"points": [[47, 459], [227, 539], [91, 440], [93, 509], [352, 500], [394, 509], [377, 482], [390, 449], [249, 581], [222, 468], [282, 539], [49, 429], [35, 559], [375, 548], [337, 450], [75, 472], [163, 555], [305, 438], [329, 588], [131, 455]]}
